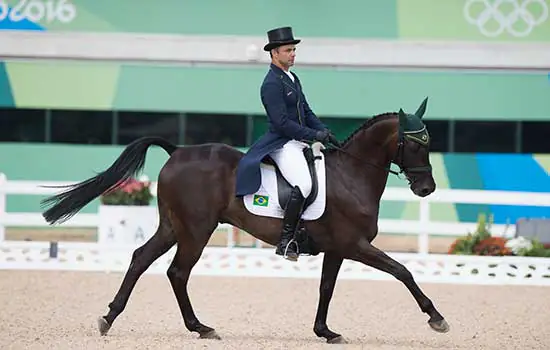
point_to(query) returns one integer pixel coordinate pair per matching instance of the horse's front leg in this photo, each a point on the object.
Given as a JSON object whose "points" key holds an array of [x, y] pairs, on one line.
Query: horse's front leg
{"points": [[372, 256], [331, 266]]}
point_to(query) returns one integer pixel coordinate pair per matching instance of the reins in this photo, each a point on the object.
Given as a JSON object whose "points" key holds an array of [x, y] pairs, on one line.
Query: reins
{"points": [[387, 168]]}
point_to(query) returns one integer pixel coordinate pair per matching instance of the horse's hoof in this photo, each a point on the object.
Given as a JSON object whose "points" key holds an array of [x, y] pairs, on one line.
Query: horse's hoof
{"points": [[337, 340], [103, 326], [210, 335], [440, 326]]}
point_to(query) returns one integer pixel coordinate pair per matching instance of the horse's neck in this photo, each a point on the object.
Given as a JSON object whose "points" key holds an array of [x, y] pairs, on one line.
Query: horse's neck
{"points": [[375, 146]]}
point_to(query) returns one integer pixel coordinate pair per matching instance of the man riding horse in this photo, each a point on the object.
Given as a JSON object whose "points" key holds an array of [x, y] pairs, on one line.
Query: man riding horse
{"points": [[291, 121]]}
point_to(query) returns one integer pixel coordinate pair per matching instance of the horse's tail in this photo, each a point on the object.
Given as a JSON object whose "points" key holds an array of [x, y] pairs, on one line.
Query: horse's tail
{"points": [[130, 162]]}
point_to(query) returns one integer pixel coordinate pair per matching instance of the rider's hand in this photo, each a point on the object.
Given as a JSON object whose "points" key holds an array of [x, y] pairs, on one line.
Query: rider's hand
{"points": [[322, 136], [325, 137], [334, 140]]}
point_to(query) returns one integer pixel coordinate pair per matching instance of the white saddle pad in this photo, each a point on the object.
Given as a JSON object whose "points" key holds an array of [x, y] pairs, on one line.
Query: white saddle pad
{"points": [[265, 202]]}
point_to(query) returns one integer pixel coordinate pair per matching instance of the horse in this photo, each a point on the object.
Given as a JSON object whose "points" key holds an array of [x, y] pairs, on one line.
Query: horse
{"points": [[195, 193]]}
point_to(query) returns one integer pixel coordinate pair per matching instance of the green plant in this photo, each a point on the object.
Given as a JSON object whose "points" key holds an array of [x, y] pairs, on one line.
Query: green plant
{"points": [[481, 242], [465, 245], [129, 192], [537, 249]]}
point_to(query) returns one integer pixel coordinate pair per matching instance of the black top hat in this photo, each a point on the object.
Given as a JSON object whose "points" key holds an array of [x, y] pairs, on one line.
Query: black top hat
{"points": [[280, 36]]}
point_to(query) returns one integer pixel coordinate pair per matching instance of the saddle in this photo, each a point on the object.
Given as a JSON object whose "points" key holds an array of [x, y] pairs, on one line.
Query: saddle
{"points": [[272, 197]]}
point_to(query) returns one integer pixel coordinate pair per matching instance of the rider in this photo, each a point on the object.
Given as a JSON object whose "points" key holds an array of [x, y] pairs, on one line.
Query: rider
{"points": [[291, 121]]}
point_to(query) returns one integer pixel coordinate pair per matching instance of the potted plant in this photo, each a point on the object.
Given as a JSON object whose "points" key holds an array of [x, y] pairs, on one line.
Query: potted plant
{"points": [[125, 214]]}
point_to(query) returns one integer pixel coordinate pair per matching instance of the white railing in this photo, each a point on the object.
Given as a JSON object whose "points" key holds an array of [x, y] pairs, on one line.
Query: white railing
{"points": [[246, 262], [423, 227]]}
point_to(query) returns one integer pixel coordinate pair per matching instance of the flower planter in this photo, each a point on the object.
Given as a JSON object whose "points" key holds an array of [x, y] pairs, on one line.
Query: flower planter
{"points": [[482, 243], [130, 225]]}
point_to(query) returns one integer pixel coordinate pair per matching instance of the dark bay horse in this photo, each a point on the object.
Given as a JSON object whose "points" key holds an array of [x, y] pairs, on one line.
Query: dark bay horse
{"points": [[196, 192]]}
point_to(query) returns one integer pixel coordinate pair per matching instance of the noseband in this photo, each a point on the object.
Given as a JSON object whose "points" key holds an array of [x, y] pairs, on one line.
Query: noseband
{"points": [[401, 156]]}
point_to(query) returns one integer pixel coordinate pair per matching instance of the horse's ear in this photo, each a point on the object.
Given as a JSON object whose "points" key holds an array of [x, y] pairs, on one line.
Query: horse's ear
{"points": [[402, 119], [421, 109]]}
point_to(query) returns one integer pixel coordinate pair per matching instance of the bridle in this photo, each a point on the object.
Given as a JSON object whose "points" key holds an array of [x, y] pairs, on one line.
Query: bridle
{"points": [[419, 136]]}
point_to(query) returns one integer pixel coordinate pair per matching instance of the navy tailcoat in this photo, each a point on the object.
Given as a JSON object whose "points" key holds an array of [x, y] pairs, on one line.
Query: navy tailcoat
{"points": [[289, 117]]}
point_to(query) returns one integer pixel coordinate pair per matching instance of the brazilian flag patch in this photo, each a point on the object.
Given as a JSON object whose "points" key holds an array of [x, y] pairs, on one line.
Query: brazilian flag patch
{"points": [[261, 201]]}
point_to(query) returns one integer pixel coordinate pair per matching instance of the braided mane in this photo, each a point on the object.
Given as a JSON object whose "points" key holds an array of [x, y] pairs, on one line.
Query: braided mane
{"points": [[367, 124]]}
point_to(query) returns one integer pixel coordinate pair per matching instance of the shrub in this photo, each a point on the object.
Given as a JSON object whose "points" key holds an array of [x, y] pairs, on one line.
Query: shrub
{"points": [[524, 247], [481, 242], [492, 246], [465, 245]]}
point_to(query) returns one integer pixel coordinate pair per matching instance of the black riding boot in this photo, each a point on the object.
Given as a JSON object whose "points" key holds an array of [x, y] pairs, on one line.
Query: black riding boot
{"points": [[287, 247]]}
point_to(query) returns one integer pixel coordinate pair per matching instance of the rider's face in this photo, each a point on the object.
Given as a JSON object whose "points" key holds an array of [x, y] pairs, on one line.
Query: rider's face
{"points": [[285, 55]]}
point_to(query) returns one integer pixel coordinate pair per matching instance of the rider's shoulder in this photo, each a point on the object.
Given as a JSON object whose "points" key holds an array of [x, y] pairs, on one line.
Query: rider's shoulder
{"points": [[271, 87], [271, 77], [271, 80]]}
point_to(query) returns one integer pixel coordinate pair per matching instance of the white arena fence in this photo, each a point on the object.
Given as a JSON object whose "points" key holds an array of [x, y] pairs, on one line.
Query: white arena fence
{"points": [[250, 262], [233, 261]]}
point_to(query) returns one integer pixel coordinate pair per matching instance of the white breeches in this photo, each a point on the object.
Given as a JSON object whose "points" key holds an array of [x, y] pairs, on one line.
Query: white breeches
{"points": [[292, 163]]}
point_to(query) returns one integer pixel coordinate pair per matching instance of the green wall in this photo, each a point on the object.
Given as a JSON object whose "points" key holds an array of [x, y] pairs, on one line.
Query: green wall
{"points": [[343, 93], [376, 18]]}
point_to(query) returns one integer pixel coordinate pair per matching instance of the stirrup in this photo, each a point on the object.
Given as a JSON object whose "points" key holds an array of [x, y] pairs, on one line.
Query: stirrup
{"points": [[285, 252]]}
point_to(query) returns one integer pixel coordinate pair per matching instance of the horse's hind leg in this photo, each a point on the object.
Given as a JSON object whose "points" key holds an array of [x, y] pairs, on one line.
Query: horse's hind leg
{"points": [[372, 256], [188, 253], [142, 258]]}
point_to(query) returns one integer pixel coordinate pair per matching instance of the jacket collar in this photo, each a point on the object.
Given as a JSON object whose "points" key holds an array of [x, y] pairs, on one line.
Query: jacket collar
{"points": [[283, 76], [276, 68]]}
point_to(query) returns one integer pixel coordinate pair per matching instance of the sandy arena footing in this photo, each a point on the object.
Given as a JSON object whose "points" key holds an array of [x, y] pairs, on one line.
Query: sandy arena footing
{"points": [[58, 310]]}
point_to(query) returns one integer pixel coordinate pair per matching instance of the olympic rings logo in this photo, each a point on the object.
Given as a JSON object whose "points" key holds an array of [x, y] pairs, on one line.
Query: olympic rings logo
{"points": [[520, 13]]}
